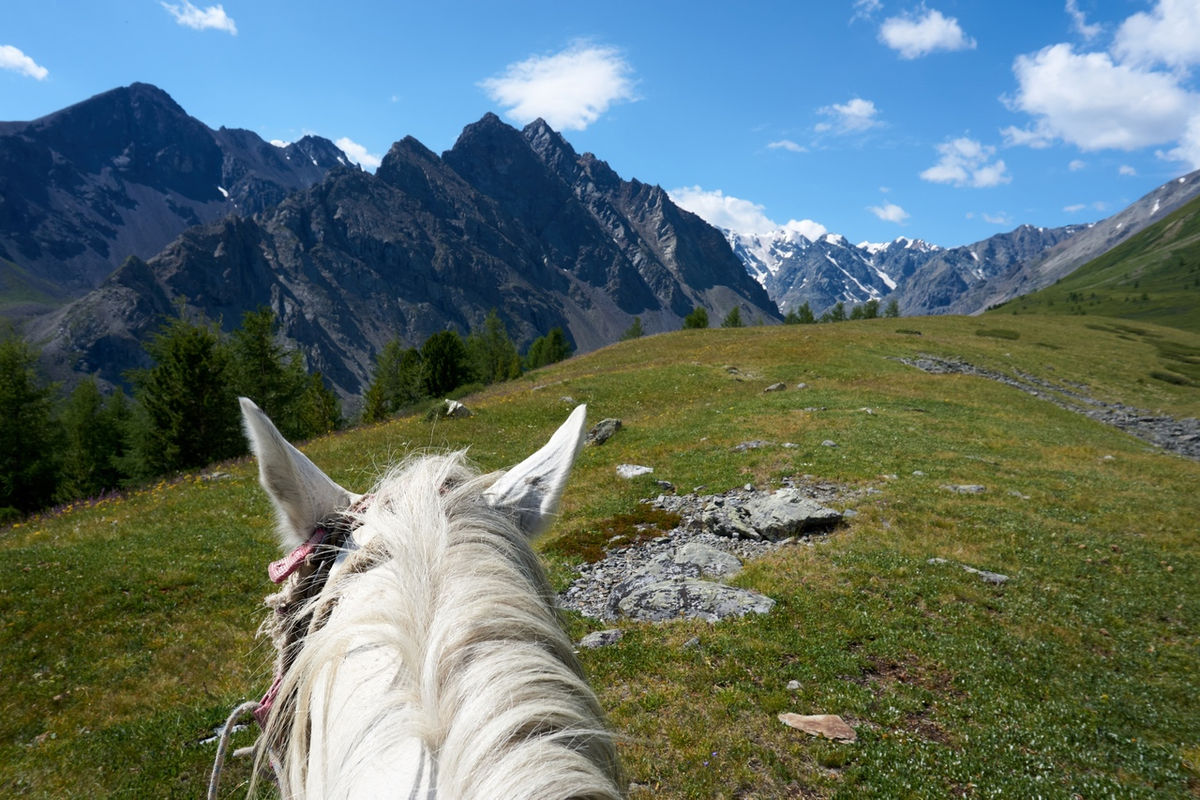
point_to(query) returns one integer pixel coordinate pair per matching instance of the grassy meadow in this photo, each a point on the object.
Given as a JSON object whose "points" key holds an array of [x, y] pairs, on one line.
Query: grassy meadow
{"points": [[127, 625]]}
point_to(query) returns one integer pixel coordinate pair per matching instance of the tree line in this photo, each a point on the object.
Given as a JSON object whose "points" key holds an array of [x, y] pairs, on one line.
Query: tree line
{"points": [[183, 412]]}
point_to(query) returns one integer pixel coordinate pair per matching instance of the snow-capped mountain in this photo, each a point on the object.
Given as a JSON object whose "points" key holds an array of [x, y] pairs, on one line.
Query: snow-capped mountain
{"points": [[923, 278]]}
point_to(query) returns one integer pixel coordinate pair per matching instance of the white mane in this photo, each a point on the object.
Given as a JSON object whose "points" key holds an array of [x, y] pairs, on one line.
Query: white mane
{"points": [[436, 666]]}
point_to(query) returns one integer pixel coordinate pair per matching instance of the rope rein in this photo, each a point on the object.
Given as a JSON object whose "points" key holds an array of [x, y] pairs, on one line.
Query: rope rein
{"points": [[305, 569]]}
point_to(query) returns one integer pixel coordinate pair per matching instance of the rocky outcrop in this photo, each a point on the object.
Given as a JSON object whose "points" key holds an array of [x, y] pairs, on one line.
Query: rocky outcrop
{"points": [[682, 574]]}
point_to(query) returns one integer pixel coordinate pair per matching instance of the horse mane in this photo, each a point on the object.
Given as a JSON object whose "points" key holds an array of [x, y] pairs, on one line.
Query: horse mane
{"points": [[485, 677]]}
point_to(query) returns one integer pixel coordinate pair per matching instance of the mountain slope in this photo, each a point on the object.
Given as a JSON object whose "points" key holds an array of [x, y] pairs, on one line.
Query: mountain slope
{"points": [[123, 173], [1153, 276], [506, 219]]}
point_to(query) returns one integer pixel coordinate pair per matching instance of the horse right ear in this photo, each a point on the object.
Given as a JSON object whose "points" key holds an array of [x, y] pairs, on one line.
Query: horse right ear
{"points": [[302, 494]]}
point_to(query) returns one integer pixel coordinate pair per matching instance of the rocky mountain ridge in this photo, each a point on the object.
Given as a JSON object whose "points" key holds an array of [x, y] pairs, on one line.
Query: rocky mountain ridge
{"points": [[506, 219], [122, 174], [928, 279]]}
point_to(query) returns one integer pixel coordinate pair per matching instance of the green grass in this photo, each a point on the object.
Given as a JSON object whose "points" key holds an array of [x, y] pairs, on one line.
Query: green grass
{"points": [[126, 628], [1154, 276]]}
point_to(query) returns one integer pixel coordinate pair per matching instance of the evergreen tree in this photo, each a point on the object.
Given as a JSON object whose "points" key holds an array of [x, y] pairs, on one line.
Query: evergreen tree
{"points": [[835, 314], [95, 433], [28, 446], [733, 319], [892, 309], [634, 331], [269, 374], [399, 382], [801, 315], [871, 309], [189, 411], [493, 356], [446, 363], [858, 313], [697, 319], [548, 349]]}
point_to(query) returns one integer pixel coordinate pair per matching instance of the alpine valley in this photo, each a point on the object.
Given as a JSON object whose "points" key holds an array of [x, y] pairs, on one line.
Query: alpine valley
{"points": [[123, 210]]}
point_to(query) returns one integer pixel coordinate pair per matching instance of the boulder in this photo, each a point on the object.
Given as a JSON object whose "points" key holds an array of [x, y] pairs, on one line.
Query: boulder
{"points": [[691, 598], [603, 430], [786, 512]]}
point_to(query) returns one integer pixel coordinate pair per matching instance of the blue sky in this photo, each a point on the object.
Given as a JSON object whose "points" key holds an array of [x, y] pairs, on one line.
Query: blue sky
{"points": [[944, 120]]}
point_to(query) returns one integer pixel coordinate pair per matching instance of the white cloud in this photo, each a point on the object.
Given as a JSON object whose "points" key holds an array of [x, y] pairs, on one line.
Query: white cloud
{"points": [[1075, 208], [865, 9], [850, 117], [1079, 21], [966, 162], [916, 37], [358, 153], [213, 17], [789, 145], [996, 219], [280, 143], [1088, 100], [1188, 150], [889, 212], [1169, 34], [1076, 165], [569, 89], [1125, 169], [735, 214], [13, 59]]}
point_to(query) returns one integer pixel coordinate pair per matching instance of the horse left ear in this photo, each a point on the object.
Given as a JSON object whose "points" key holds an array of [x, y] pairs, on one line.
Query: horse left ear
{"points": [[303, 495], [531, 490]]}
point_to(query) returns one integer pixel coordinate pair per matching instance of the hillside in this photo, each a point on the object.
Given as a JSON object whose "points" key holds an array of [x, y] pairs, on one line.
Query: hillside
{"points": [[129, 622], [1153, 276]]}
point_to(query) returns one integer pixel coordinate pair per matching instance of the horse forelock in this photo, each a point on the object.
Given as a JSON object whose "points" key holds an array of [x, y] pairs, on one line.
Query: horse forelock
{"points": [[478, 669]]}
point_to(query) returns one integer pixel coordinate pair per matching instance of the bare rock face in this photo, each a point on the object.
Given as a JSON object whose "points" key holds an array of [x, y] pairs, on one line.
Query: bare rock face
{"points": [[689, 598]]}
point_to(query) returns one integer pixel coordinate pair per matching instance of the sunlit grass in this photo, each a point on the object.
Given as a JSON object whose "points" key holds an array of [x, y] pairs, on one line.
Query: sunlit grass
{"points": [[126, 627]]}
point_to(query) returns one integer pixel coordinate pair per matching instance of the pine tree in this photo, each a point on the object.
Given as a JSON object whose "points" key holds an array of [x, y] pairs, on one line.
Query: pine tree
{"points": [[189, 412], [399, 382], [269, 374], [892, 309], [446, 363], [548, 349], [492, 354], [95, 434], [28, 460], [801, 315], [698, 318], [733, 319], [634, 331]]}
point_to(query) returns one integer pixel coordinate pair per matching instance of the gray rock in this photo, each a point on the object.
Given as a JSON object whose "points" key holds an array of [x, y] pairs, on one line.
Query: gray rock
{"points": [[793, 686], [691, 598], [601, 638], [829, 443], [666, 486], [776, 387], [994, 578], [786, 512], [456, 410], [965, 488], [754, 444], [707, 560], [633, 470], [603, 430]]}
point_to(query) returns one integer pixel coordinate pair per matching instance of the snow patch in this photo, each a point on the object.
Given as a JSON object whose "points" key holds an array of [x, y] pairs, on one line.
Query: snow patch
{"points": [[1154, 210], [223, 192]]}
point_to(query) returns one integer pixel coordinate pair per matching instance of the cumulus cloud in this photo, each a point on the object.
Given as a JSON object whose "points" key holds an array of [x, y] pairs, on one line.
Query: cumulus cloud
{"points": [[850, 117], [1090, 101], [210, 18], [865, 9], [1169, 34], [1125, 169], [569, 89], [997, 219], [13, 59], [1079, 21], [1076, 165], [1075, 208], [966, 162], [736, 214], [789, 145], [889, 212], [358, 153], [913, 37]]}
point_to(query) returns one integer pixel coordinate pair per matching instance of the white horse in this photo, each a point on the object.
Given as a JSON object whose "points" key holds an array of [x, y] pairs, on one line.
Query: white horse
{"points": [[420, 654]]}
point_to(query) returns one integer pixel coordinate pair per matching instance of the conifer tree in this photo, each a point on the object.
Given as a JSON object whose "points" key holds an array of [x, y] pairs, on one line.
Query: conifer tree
{"points": [[492, 354], [399, 382], [733, 319], [446, 363], [95, 435], [28, 446], [698, 318], [548, 349], [634, 331]]}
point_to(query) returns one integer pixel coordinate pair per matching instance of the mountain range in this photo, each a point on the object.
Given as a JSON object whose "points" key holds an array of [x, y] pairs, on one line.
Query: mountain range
{"points": [[506, 219], [927, 279]]}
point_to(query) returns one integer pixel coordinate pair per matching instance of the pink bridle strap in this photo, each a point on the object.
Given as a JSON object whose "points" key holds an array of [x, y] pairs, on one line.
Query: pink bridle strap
{"points": [[264, 706], [278, 570]]}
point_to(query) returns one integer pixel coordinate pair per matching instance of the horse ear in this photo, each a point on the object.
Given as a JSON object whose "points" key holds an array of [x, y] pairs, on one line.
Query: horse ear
{"points": [[531, 490], [303, 495]]}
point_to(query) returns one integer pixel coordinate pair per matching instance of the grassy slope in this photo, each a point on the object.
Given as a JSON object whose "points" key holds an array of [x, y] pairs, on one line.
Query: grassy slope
{"points": [[127, 628], [1152, 277]]}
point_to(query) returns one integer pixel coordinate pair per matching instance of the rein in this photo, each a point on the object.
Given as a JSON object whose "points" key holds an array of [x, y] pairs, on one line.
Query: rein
{"points": [[310, 563]]}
